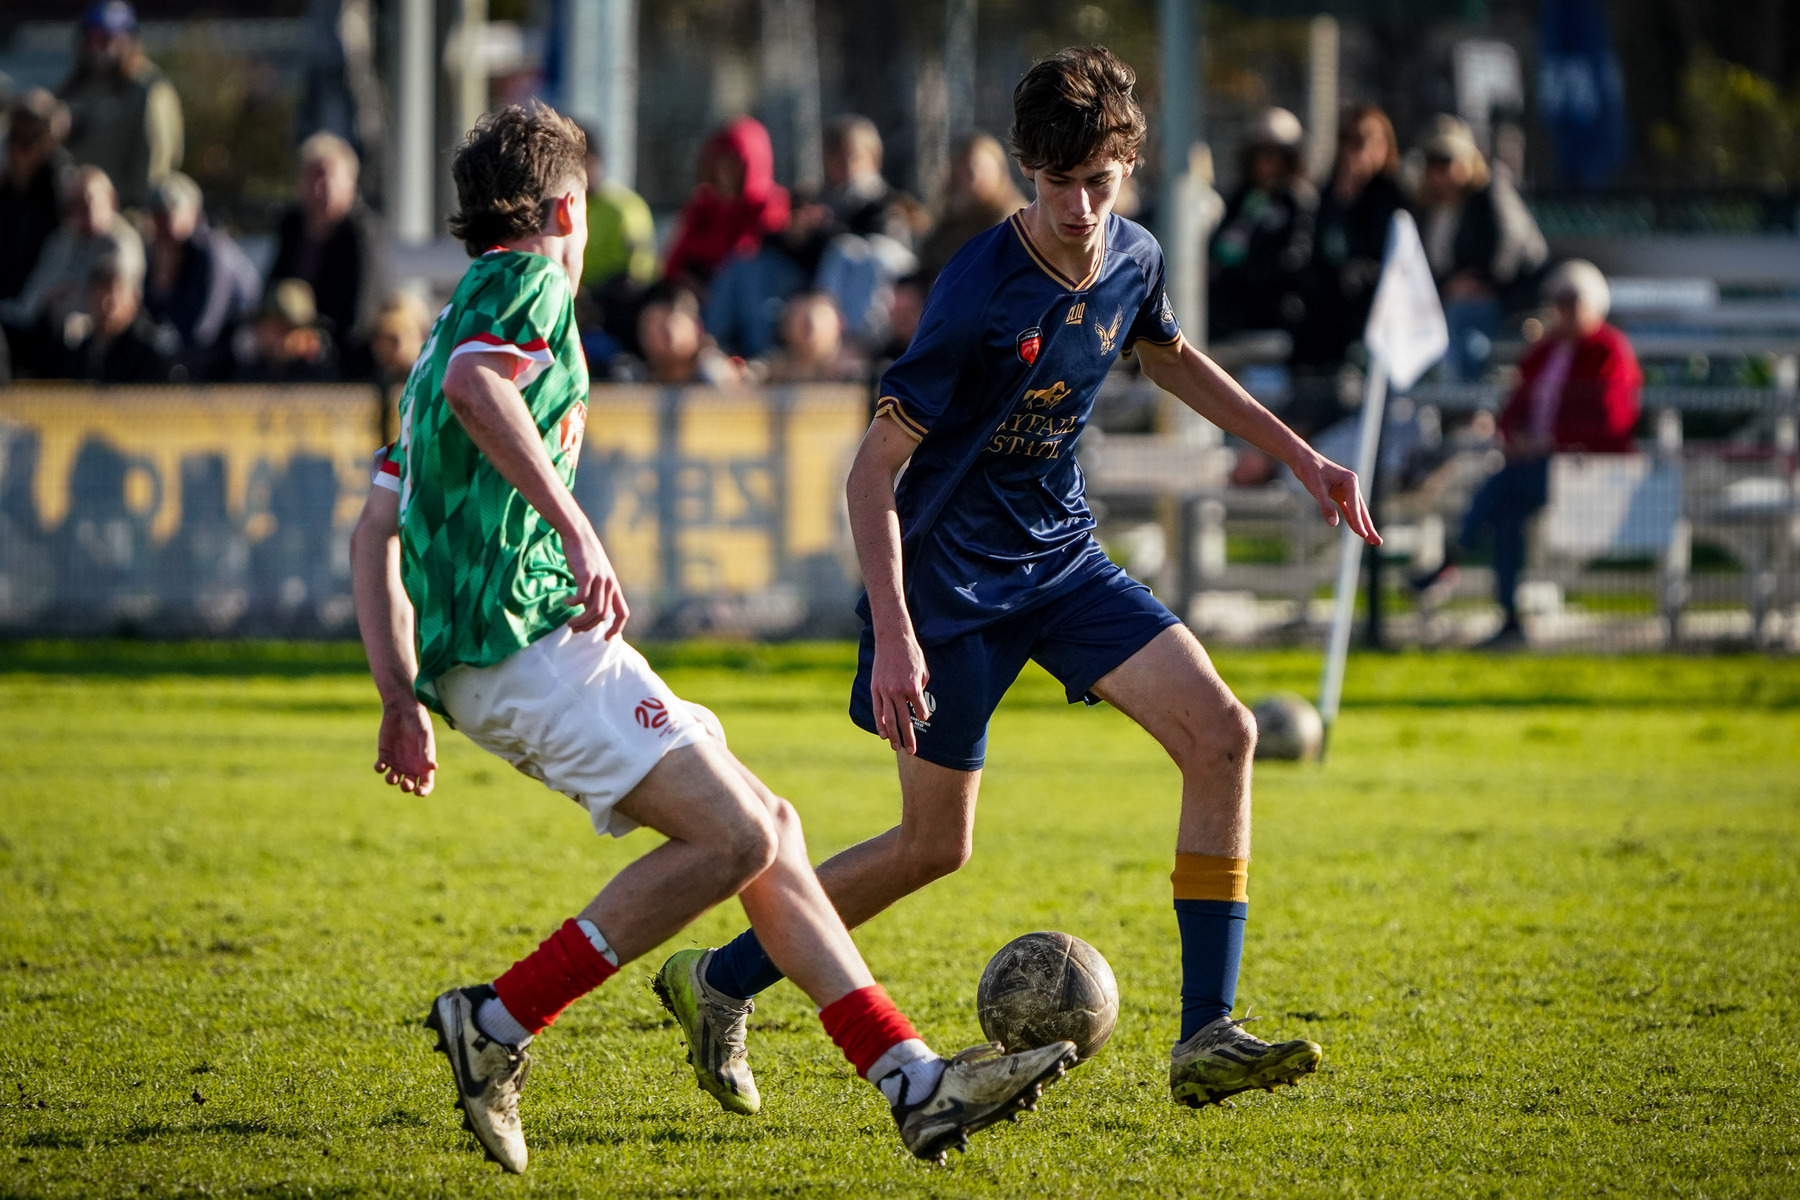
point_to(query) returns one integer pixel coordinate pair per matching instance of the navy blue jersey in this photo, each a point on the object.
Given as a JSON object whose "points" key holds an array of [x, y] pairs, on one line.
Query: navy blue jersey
{"points": [[997, 386]]}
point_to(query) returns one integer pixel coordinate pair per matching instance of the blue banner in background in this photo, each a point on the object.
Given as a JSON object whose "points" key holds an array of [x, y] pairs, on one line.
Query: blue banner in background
{"points": [[1581, 93]]}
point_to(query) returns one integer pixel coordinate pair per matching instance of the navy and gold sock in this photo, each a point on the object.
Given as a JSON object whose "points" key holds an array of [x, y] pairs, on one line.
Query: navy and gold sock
{"points": [[1211, 906]]}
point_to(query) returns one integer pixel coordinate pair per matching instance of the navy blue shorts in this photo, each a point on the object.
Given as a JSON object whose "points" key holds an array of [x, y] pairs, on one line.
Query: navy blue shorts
{"points": [[1078, 638]]}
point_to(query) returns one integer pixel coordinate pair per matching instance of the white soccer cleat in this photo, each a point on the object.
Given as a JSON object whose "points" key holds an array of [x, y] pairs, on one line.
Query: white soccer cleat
{"points": [[980, 1086], [489, 1075]]}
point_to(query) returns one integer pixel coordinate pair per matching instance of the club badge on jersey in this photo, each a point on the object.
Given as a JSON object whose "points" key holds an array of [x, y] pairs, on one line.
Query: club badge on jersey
{"points": [[1029, 343]]}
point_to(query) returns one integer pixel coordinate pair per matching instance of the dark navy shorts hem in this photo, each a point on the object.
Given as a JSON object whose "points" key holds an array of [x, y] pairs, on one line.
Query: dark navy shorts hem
{"points": [[1078, 638]]}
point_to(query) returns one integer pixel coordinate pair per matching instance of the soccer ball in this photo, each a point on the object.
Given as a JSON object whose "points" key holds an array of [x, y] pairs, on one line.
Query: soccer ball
{"points": [[1048, 987], [1288, 726]]}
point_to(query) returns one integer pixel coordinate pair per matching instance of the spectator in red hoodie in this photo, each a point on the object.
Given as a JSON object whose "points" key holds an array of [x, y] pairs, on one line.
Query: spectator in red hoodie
{"points": [[1579, 391], [735, 205]]}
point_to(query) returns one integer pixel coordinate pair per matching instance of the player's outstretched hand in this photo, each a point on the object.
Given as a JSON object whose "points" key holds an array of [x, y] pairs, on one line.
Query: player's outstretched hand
{"points": [[1337, 491], [597, 590], [897, 688], [405, 750]]}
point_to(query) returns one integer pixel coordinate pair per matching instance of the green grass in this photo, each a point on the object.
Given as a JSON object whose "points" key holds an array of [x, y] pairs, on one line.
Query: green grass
{"points": [[1541, 912]]}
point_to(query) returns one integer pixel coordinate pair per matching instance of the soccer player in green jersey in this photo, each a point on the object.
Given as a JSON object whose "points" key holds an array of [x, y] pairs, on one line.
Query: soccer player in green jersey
{"points": [[484, 594]]}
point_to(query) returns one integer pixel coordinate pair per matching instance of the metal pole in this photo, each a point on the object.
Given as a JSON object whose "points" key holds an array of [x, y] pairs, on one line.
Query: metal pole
{"points": [[415, 111], [959, 66], [600, 77], [471, 63], [1177, 29], [1337, 649]]}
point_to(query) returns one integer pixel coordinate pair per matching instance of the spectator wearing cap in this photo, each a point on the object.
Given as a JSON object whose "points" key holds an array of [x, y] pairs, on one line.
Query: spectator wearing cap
{"points": [[92, 229], [30, 183], [126, 118], [1484, 247], [332, 242], [287, 343], [114, 340], [676, 347], [199, 282], [1579, 391], [1264, 243]]}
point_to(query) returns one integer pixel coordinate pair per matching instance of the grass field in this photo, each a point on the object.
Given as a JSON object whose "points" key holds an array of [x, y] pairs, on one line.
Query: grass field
{"points": [[1543, 914]]}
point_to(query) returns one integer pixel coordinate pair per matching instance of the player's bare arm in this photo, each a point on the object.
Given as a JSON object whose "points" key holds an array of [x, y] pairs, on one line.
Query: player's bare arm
{"points": [[1203, 386], [480, 391], [406, 752], [900, 676]]}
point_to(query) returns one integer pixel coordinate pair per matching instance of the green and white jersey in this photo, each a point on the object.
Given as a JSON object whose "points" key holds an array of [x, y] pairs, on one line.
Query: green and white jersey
{"points": [[486, 573]]}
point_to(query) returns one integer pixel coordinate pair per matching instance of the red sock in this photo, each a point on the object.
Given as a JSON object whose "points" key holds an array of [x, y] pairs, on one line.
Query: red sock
{"points": [[866, 1025], [565, 968]]}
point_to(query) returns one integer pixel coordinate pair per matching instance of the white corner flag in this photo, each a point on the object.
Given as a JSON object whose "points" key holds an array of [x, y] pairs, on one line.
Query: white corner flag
{"points": [[1406, 330], [1406, 334]]}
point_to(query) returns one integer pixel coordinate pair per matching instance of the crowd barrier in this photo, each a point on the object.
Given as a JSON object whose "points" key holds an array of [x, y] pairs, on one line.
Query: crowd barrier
{"points": [[227, 511]]}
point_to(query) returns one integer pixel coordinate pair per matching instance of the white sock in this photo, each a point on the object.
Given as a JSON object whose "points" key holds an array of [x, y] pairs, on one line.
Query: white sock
{"points": [[493, 1019], [599, 939], [909, 1071]]}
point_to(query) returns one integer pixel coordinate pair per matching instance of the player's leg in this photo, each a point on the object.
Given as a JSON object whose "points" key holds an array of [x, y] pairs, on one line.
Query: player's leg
{"points": [[1170, 687], [938, 790], [936, 1103]]}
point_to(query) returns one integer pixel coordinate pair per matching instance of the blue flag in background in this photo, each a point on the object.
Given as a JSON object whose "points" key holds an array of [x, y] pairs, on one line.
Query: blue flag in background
{"points": [[1581, 93]]}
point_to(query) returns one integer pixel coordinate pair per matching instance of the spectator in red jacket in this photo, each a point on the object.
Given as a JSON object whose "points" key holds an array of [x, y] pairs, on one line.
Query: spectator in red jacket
{"points": [[1578, 393], [736, 204]]}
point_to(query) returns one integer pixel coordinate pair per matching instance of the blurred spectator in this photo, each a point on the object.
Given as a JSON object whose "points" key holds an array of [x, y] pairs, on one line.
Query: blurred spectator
{"points": [[735, 205], [114, 340], [1262, 247], [859, 198], [199, 283], [1350, 236], [400, 332], [980, 196], [1483, 245], [60, 282], [126, 116], [621, 233], [30, 183], [744, 305], [333, 242], [812, 344], [288, 343], [676, 348], [903, 316], [1579, 391]]}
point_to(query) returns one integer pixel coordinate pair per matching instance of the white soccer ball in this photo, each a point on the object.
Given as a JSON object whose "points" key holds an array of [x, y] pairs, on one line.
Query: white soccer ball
{"points": [[1288, 727]]}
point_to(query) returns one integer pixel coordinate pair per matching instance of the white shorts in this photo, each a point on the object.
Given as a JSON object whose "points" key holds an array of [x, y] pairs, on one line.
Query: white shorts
{"points": [[578, 713]]}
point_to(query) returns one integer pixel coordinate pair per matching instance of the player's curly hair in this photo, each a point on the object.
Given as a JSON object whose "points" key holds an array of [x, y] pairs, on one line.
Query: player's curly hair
{"points": [[1076, 105], [508, 165]]}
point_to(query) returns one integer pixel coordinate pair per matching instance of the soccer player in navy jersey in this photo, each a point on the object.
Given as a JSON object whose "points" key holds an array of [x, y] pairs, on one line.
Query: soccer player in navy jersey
{"points": [[984, 556]]}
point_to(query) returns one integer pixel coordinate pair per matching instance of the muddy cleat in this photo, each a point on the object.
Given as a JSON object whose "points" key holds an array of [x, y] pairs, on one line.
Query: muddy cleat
{"points": [[1222, 1060], [489, 1075], [980, 1086], [714, 1024]]}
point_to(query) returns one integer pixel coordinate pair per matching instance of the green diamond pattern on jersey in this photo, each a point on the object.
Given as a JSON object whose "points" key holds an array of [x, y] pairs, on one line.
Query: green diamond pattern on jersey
{"points": [[485, 572]]}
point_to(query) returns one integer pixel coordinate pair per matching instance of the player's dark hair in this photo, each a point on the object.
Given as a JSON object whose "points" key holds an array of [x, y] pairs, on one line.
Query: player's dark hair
{"points": [[511, 162], [1074, 106]]}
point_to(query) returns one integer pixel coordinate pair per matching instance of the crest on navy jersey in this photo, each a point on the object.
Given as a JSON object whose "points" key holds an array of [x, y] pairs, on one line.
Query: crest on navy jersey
{"points": [[1029, 343], [1109, 334]]}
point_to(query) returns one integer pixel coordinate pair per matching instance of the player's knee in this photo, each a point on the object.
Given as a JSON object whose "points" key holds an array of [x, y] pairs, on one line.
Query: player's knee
{"points": [[1224, 737], [934, 860], [785, 821], [751, 842]]}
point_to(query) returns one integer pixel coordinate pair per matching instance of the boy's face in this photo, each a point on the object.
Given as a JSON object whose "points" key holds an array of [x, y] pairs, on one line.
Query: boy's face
{"points": [[1075, 202]]}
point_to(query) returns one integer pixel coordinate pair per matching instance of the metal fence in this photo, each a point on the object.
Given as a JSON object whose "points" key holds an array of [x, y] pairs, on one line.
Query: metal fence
{"points": [[226, 512]]}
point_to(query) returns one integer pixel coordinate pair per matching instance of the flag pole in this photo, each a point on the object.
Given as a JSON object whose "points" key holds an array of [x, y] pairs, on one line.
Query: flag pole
{"points": [[1350, 552]]}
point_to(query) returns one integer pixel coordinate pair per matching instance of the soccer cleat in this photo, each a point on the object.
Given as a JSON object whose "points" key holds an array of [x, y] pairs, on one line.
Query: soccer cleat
{"points": [[714, 1024], [980, 1086], [489, 1075], [1222, 1060]]}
